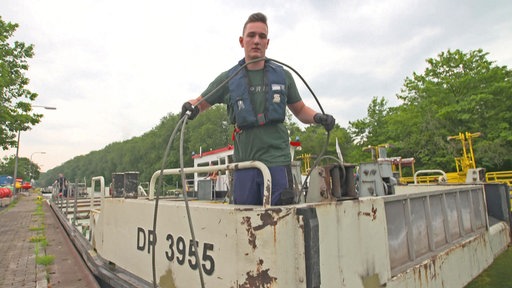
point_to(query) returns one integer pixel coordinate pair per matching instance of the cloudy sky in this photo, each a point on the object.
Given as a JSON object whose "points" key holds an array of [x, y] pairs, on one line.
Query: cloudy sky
{"points": [[114, 68]]}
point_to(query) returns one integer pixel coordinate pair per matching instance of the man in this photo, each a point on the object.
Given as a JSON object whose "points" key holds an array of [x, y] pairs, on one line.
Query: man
{"points": [[62, 184], [257, 98]]}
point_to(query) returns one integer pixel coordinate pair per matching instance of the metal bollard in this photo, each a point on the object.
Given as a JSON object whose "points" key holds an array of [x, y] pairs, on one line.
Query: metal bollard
{"points": [[117, 185], [131, 184]]}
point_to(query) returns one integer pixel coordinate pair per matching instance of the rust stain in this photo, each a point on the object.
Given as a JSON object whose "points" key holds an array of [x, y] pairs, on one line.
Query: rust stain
{"points": [[371, 281], [259, 278], [251, 236], [267, 195], [167, 280], [434, 270], [425, 274], [426, 270], [271, 218], [300, 222], [268, 218], [372, 214]]}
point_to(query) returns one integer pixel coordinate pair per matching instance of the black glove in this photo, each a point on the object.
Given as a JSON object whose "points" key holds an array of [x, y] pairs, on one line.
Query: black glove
{"points": [[187, 107], [325, 120]]}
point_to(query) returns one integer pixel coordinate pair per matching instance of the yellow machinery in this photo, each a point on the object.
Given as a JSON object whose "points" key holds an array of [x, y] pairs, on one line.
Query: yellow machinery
{"points": [[306, 163], [500, 177], [463, 163], [466, 161]]}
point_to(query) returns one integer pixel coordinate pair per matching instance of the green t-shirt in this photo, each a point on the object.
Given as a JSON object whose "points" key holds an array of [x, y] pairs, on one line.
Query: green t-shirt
{"points": [[268, 143]]}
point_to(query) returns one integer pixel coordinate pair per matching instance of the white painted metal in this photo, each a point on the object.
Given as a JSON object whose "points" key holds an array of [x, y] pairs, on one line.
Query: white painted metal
{"points": [[248, 240], [236, 243]]}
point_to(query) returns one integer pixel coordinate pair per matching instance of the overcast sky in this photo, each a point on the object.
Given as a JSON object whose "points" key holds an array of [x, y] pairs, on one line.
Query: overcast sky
{"points": [[113, 69]]}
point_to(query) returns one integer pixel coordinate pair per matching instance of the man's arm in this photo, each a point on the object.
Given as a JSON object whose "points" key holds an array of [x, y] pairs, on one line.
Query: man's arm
{"points": [[309, 116], [203, 106], [304, 113]]}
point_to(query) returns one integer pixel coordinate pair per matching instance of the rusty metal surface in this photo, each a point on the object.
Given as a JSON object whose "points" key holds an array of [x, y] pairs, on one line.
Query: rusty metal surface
{"points": [[236, 245], [250, 246]]}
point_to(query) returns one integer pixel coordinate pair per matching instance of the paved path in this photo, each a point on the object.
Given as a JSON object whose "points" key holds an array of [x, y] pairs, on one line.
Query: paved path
{"points": [[20, 224]]}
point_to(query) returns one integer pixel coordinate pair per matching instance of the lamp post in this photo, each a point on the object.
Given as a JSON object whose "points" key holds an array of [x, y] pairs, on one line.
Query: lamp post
{"points": [[31, 174], [45, 107], [18, 150]]}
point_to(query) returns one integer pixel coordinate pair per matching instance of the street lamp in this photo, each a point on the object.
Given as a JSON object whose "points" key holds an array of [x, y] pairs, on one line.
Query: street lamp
{"points": [[18, 150], [31, 174], [45, 107]]}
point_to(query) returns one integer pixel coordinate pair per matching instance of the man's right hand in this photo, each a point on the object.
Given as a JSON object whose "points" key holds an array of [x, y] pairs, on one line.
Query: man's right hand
{"points": [[192, 111]]}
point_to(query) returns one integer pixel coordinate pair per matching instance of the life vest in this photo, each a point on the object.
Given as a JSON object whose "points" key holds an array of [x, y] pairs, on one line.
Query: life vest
{"points": [[240, 106]]}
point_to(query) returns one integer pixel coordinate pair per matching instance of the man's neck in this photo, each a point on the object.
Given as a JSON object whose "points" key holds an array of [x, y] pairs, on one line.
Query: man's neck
{"points": [[256, 65]]}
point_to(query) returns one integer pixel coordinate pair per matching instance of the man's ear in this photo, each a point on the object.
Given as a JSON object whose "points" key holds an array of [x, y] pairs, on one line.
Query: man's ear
{"points": [[241, 40]]}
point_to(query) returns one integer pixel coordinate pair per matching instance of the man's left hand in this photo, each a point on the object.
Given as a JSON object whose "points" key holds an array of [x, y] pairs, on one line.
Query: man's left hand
{"points": [[325, 120]]}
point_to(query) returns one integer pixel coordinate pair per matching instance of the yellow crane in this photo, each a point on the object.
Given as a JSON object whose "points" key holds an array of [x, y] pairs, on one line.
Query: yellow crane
{"points": [[467, 160]]}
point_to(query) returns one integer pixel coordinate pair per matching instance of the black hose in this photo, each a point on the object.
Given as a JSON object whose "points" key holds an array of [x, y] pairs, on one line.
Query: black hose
{"points": [[185, 196], [158, 190], [324, 148], [303, 81], [228, 79]]}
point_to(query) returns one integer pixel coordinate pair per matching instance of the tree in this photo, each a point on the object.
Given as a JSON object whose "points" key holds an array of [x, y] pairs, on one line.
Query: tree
{"points": [[15, 98], [210, 130], [457, 92], [371, 130], [26, 168], [461, 92]]}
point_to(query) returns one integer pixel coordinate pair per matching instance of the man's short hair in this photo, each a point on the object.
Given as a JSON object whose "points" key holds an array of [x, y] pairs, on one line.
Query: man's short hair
{"points": [[255, 17]]}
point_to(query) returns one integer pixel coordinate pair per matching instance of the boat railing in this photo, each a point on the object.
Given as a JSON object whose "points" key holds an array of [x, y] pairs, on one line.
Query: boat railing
{"points": [[81, 203], [421, 224], [267, 191], [441, 172], [101, 181], [499, 177]]}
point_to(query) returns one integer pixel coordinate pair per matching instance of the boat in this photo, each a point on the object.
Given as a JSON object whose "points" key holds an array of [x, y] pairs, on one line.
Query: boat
{"points": [[345, 229]]}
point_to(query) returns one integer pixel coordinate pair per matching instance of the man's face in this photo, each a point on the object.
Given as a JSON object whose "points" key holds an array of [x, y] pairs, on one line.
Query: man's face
{"points": [[255, 41]]}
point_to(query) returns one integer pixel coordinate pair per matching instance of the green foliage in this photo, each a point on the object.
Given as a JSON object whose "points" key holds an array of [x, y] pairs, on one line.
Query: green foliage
{"points": [[37, 238], [25, 168], [497, 275], [372, 128], [458, 92], [39, 228], [45, 260], [15, 98], [313, 140]]}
